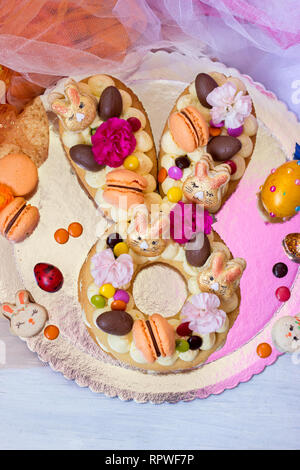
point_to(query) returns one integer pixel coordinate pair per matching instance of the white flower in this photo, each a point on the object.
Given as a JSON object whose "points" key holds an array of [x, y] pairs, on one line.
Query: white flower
{"points": [[229, 106]]}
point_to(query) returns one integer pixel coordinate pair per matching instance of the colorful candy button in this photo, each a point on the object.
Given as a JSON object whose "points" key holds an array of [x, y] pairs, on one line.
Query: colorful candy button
{"points": [[280, 270], [162, 174], [135, 123], [61, 236], [75, 229], [214, 131], [113, 239], [175, 173], [98, 301], [183, 162], [121, 249], [182, 345], [236, 132], [174, 194], [131, 163], [264, 350], [51, 332], [283, 293], [107, 290], [122, 295], [232, 165], [183, 329], [118, 305], [195, 342]]}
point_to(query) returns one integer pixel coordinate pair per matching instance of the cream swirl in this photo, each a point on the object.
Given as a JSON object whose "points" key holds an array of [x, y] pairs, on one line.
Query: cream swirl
{"points": [[203, 314], [108, 270]]}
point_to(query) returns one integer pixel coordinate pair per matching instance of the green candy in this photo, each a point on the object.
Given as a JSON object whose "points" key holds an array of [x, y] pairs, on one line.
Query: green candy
{"points": [[182, 345], [98, 301]]}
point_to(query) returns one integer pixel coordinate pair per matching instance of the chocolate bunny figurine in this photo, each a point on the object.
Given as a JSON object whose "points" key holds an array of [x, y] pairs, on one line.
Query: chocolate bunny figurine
{"points": [[222, 277], [26, 318], [78, 111], [208, 185], [145, 239]]}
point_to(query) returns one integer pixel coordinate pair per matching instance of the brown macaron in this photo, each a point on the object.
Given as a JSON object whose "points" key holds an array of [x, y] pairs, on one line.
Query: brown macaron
{"points": [[18, 220], [124, 188]]}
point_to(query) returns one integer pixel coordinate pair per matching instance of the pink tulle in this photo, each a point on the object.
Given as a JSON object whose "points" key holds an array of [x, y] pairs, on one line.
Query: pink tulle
{"points": [[107, 270]]}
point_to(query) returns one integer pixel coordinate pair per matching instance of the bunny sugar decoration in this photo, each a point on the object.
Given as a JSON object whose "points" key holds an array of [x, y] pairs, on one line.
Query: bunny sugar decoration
{"points": [[26, 318], [221, 276], [78, 110], [286, 334], [208, 185], [146, 238]]}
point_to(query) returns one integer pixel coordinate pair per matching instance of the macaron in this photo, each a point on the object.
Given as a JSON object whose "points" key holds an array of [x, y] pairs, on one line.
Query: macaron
{"points": [[18, 220], [189, 129], [154, 337], [124, 188], [18, 172]]}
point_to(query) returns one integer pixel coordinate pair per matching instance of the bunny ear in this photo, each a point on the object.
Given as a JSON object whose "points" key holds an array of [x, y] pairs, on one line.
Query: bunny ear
{"points": [[73, 94], [141, 222], [159, 227], [201, 170], [22, 297], [218, 263], [59, 107], [7, 310], [233, 274], [219, 180]]}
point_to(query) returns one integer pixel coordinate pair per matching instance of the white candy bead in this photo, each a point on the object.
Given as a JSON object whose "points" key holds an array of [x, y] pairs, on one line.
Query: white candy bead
{"points": [[208, 341], [151, 186], [189, 356], [184, 101], [126, 100], [144, 142], [96, 179], [240, 167], [168, 145], [119, 344], [168, 360], [167, 161], [136, 354], [250, 125], [145, 163], [170, 183], [247, 146], [72, 138], [99, 82]]}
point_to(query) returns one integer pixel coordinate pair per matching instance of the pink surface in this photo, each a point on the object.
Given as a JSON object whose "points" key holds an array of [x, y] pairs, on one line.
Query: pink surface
{"points": [[248, 236]]}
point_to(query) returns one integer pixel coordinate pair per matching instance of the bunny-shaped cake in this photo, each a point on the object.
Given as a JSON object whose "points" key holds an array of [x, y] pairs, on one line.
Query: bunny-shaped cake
{"points": [[26, 318], [78, 110], [208, 185], [221, 277], [147, 239]]}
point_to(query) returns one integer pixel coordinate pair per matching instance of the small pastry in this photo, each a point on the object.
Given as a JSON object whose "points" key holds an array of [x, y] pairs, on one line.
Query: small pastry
{"points": [[18, 220], [124, 188], [19, 173], [189, 129]]}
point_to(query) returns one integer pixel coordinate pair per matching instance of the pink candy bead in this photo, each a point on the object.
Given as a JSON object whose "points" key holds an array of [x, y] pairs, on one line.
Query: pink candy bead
{"points": [[135, 123], [212, 124], [175, 173], [235, 132], [122, 295]]}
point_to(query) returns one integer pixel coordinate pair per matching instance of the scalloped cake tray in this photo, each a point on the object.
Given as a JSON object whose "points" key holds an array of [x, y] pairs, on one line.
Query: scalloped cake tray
{"points": [[62, 201]]}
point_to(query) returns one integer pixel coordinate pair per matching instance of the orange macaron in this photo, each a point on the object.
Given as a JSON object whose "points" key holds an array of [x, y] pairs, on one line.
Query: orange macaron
{"points": [[19, 173], [154, 337], [124, 188], [18, 220], [189, 129]]}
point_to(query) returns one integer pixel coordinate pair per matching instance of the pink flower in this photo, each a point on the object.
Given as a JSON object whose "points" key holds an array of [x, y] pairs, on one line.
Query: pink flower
{"points": [[229, 105], [108, 270], [113, 142], [203, 314]]}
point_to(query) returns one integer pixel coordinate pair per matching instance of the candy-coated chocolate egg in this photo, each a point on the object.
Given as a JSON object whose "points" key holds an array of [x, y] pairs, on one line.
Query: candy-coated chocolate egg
{"points": [[131, 163], [182, 345], [283, 293], [174, 194], [61, 236], [98, 301], [48, 277], [121, 249], [264, 350], [122, 295], [107, 290], [115, 322], [280, 194], [183, 162], [51, 332], [75, 229], [118, 305], [195, 342], [175, 173], [162, 174]]}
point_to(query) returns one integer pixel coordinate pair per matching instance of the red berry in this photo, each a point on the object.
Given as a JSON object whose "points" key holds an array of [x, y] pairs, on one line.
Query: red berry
{"points": [[283, 293], [183, 329], [232, 165], [135, 123]]}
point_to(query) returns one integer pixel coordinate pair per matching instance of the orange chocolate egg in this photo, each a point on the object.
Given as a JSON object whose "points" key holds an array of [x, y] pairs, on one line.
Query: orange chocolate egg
{"points": [[280, 194]]}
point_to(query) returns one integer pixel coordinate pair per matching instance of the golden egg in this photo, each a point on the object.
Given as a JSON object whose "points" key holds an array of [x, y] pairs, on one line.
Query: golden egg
{"points": [[280, 194]]}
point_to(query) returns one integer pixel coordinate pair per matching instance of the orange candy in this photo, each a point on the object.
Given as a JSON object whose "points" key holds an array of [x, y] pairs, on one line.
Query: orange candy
{"points": [[162, 174], [215, 131], [118, 305], [264, 350], [75, 229], [61, 236], [6, 196], [51, 332]]}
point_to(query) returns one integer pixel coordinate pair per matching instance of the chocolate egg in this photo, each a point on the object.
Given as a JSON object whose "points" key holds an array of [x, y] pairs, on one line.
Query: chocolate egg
{"points": [[197, 250], [83, 156], [48, 277], [110, 104], [115, 322], [280, 194], [223, 147], [204, 84]]}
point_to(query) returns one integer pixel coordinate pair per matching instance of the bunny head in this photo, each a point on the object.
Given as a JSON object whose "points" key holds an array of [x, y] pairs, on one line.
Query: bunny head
{"points": [[220, 276], [78, 110], [208, 185], [26, 318], [286, 334], [147, 239]]}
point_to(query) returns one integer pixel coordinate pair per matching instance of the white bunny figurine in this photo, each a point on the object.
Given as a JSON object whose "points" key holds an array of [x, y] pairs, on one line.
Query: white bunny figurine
{"points": [[26, 318]]}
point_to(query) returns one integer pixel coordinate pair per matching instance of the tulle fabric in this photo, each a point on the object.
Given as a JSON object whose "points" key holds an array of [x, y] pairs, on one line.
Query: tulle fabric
{"points": [[47, 39]]}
